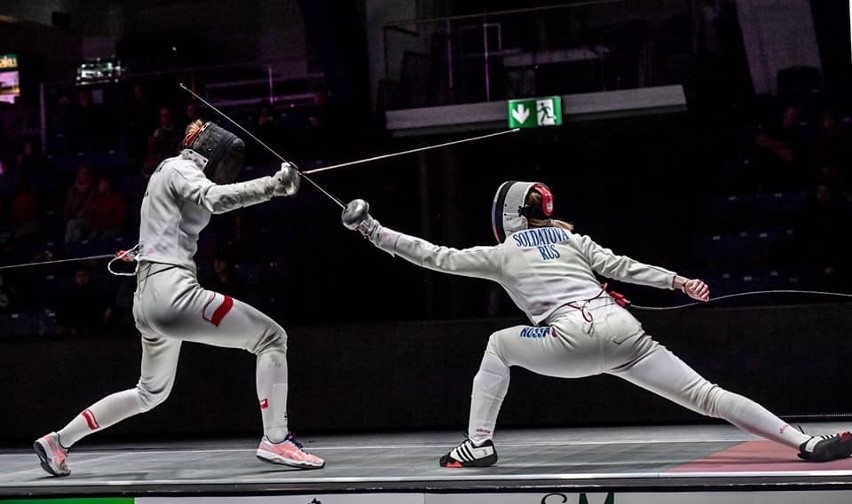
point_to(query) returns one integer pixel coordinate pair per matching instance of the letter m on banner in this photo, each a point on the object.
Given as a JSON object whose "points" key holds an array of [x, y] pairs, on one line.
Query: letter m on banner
{"points": [[610, 499]]}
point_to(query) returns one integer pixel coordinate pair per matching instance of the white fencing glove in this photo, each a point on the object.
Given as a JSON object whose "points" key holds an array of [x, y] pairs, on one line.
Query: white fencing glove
{"points": [[286, 180], [356, 216]]}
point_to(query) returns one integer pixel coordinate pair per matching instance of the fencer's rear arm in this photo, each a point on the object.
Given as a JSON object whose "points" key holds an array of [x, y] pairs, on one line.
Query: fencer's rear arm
{"points": [[619, 267], [191, 185], [477, 262]]}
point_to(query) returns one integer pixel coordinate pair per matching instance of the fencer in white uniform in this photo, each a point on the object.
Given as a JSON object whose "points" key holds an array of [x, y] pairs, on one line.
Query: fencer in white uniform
{"points": [[170, 306], [578, 329]]}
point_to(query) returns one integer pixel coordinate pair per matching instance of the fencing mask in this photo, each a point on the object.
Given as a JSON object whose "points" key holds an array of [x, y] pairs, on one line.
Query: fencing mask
{"points": [[509, 212], [221, 151]]}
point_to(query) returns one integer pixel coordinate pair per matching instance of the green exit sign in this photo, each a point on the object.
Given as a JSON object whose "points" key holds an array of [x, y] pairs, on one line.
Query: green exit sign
{"points": [[535, 112]]}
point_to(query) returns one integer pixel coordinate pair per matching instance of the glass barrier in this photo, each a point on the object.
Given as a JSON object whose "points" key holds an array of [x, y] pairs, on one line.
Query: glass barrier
{"points": [[109, 115], [572, 48]]}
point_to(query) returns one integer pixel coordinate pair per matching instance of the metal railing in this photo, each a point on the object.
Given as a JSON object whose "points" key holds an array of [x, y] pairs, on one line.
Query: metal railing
{"points": [[238, 87], [572, 47]]}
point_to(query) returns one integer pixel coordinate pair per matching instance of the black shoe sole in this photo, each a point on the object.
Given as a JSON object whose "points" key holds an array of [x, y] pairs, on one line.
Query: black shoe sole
{"points": [[447, 461]]}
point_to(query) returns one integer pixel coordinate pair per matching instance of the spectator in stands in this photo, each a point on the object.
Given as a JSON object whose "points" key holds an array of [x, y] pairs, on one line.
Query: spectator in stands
{"points": [[84, 306], [78, 205], [164, 142], [6, 142], [829, 150], [108, 211], [224, 278], [7, 240], [24, 213], [240, 241], [141, 117], [777, 161], [90, 129], [7, 295], [821, 236], [7, 183], [40, 172], [192, 113], [321, 126], [119, 315], [268, 129], [61, 125]]}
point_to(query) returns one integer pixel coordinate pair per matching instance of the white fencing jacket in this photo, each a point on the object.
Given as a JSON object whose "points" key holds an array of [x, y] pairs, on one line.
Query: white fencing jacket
{"points": [[178, 203], [542, 269]]}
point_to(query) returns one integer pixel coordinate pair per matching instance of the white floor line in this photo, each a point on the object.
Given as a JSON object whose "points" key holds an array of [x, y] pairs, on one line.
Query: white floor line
{"points": [[134, 451], [478, 476], [87, 457]]}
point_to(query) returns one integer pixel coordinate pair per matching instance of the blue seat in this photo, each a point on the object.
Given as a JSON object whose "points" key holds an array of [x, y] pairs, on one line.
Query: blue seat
{"points": [[21, 324], [249, 272]]}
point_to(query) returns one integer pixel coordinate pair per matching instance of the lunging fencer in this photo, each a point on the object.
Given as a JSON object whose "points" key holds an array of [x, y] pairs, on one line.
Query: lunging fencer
{"points": [[170, 307], [578, 329]]}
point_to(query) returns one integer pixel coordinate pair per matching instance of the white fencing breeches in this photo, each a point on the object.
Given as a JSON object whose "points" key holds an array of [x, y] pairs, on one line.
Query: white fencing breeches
{"points": [[170, 307], [606, 338]]}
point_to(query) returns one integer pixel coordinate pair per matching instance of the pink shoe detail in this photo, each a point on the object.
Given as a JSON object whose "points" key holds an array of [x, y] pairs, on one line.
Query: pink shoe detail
{"points": [[288, 452], [52, 455]]}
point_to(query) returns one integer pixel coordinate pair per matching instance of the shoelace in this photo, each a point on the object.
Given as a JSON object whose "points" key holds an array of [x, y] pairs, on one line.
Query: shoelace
{"points": [[466, 441], [290, 437]]}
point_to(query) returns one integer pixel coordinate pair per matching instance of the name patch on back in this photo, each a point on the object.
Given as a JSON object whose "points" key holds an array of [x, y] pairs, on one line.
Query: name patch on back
{"points": [[543, 239], [540, 236], [536, 332]]}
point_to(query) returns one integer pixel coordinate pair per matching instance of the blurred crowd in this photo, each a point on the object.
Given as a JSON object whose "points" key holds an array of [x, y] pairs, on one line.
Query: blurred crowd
{"points": [[792, 184], [76, 193]]}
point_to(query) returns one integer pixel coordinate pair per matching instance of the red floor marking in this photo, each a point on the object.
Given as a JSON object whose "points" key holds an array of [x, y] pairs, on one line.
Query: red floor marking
{"points": [[759, 456]]}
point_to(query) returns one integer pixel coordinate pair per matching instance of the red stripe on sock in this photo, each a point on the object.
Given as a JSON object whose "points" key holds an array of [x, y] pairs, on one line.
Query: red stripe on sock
{"points": [[223, 310], [90, 419]]}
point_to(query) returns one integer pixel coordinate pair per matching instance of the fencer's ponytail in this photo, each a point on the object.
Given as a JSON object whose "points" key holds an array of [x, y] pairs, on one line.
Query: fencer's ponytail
{"points": [[534, 200], [192, 130]]}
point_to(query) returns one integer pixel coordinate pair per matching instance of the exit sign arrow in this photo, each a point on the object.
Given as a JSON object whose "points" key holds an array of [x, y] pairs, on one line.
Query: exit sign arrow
{"points": [[520, 113]]}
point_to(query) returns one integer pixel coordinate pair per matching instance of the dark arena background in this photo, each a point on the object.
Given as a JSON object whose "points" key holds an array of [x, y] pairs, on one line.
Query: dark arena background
{"points": [[710, 137]]}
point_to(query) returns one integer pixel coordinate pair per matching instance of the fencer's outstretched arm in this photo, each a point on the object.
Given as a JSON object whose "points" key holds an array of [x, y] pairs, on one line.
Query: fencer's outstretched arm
{"points": [[477, 262], [191, 184], [619, 267]]}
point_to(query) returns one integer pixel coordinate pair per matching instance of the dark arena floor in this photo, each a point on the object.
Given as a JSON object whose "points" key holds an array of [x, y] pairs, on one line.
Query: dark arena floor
{"points": [[656, 464]]}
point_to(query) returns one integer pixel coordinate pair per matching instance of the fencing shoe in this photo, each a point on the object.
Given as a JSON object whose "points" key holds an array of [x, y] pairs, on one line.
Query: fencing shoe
{"points": [[288, 452], [825, 448], [52, 455], [467, 454]]}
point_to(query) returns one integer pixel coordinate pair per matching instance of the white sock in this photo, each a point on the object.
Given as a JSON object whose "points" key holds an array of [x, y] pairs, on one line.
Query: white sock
{"points": [[108, 411], [489, 388], [754, 418], [272, 393]]}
